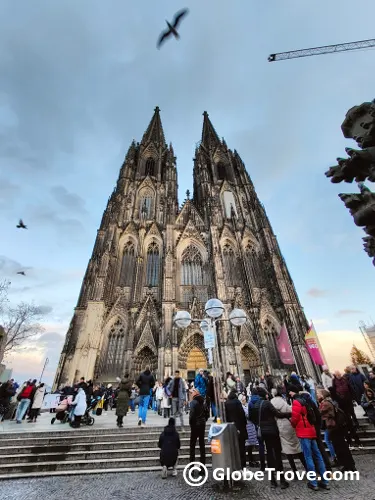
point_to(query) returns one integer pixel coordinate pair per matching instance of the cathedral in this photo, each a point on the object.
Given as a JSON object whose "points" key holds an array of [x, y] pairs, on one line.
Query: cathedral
{"points": [[153, 257]]}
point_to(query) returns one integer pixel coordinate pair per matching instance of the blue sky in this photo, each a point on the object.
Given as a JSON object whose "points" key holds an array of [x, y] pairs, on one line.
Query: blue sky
{"points": [[80, 80]]}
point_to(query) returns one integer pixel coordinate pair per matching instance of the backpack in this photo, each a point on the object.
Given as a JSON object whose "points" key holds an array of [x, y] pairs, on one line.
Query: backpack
{"points": [[341, 419], [311, 410]]}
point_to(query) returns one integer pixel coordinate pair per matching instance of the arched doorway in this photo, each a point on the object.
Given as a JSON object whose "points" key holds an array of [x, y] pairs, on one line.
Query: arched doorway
{"points": [[192, 355], [250, 362], [144, 358]]}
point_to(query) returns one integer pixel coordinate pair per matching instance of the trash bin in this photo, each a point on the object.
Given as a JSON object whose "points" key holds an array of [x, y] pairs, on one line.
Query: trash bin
{"points": [[224, 447]]}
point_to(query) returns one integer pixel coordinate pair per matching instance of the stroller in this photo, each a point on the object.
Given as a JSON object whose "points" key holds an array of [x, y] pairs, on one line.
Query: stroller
{"points": [[62, 411], [88, 419]]}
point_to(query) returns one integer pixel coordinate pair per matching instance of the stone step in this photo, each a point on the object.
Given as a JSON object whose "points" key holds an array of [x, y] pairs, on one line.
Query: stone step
{"points": [[75, 437], [94, 431], [98, 466], [85, 445], [118, 453]]}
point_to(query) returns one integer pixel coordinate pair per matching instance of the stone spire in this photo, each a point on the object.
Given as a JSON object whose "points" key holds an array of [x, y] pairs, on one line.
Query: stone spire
{"points": [[209, 135], [154, 132]]}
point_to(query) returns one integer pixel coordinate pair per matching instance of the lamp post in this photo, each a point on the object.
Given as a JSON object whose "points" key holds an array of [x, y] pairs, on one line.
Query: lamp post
{"points": [[44, 367], [214, 309]]}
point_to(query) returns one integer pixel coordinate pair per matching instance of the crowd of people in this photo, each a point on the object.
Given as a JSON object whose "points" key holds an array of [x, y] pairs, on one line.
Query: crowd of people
{"points": [[276, 416]]}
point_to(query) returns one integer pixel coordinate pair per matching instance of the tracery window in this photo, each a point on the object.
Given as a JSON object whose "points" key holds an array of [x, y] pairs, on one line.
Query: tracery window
{"points": [[150, 166], [251, 259], [116, 349], [230, 262], [153, 265], [128, 265], [192, 267], [229, 204], [145, 207]]}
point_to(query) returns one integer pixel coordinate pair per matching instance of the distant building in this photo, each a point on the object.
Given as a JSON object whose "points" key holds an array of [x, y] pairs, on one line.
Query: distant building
{"points": [[369, 336], [153, 257], [5, 373]]}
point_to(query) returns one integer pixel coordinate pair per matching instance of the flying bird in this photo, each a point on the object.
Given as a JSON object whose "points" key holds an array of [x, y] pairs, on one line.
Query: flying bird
{"points": [[21, 225], [22, 272], [172, 28]]}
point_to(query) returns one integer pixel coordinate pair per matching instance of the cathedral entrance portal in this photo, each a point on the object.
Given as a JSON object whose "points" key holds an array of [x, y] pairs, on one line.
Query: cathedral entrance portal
{"points": [[250, 363], [196, 360], [192, 355], [144, 358]]}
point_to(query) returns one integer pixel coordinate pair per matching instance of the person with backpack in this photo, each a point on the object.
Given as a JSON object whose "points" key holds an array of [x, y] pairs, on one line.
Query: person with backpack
{"points": [[169, 444], [303, 420], [336, 422], [145, 383], [198, 417], [25, 396]]}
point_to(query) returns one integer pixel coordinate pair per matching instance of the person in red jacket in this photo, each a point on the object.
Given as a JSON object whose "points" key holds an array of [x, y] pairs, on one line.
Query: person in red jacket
{"points": [[303, 420]]}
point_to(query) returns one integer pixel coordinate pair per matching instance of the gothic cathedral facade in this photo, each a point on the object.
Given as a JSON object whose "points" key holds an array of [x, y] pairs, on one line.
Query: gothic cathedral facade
{"points": [[153, 257]]}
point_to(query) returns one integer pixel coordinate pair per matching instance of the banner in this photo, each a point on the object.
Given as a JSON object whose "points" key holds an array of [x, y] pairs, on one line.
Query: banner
{"points": [[283, 346], [312, 344]]}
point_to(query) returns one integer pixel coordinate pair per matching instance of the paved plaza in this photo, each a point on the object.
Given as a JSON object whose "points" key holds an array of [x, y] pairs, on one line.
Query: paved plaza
{"points": [[106, 421], [150, 486]]}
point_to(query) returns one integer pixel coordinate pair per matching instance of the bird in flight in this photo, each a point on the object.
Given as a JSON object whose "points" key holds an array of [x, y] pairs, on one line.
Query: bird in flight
{"points": [[22, 272], [172, 28], [21, 225]]}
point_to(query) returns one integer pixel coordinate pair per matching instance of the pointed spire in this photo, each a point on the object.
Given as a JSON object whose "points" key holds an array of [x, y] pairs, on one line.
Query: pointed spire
{"points": [[209, 135], [130, 155], [154, 131]]}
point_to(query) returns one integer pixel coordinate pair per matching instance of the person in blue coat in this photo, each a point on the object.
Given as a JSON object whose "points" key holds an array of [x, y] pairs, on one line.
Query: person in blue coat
{"points": [[356, 379], [200, 383]]}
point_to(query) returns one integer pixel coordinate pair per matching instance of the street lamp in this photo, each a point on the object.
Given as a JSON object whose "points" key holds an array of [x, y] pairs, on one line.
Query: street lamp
{"points": [[214, 309]]}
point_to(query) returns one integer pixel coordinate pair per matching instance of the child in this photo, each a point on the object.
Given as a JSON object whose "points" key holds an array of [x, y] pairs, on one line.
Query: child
{"points": [[169, 444]]}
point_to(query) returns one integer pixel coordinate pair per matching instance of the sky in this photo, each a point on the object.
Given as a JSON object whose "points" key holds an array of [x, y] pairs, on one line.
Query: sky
{"points": [[80, 80]]}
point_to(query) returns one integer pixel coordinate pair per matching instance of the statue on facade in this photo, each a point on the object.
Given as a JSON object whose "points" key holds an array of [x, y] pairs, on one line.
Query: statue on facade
{"points": [[359, 124]]}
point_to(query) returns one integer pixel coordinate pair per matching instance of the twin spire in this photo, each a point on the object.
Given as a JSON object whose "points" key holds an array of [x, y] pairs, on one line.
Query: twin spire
{"points": [[155, 133]]}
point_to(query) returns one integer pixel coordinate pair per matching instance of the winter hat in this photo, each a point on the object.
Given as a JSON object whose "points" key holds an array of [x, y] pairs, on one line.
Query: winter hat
{"points": [[172, 421], [294, 388]]}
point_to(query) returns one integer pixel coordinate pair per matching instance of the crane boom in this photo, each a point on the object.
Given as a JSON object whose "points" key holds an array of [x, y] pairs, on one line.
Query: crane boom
{"points": [[327, 49]]}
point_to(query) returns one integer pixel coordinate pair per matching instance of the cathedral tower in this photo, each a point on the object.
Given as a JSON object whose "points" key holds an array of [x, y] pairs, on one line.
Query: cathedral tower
{"points": [[152, 258]]}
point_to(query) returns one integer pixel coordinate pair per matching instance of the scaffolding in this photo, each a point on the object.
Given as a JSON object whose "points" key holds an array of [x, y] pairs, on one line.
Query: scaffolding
{"points": [[368, 333]]}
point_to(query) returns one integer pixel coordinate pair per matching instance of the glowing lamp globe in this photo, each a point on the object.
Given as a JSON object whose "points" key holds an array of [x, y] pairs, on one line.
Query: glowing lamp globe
{"points": [[214, 308], [182, 319], [204, 326], [237, 317]]}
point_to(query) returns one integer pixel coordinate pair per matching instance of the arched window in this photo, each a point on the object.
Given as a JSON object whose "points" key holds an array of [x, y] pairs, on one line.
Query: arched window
{"points": [[128, 265], [145, 207], [230, 262], [153, 265], [115, 350], [192, 267], [221, 171], [251, 263], [150, 166]]}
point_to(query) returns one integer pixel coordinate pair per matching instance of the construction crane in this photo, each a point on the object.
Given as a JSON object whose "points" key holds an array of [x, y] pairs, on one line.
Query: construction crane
{"points": [[327, 49]]}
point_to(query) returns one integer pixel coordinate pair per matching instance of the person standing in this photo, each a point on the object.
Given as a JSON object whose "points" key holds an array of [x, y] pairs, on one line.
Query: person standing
{"points": [[145, 383], [200, 383], [234, 413], [37, 403], [263, 414], [197, 420], [344, 395], [327, 378], [80, 406], [211, 396], [24, 397], [356, 380], [169, 444], [303, 420], [122, 402], [290, 445], [336, 423], [177, 389]]}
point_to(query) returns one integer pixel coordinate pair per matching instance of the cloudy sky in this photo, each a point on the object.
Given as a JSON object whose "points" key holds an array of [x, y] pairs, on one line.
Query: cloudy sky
{"points": [[80, 79]]}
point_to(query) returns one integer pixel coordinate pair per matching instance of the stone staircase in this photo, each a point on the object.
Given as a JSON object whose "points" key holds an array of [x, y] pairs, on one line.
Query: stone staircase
{"points": [[95, 451]]}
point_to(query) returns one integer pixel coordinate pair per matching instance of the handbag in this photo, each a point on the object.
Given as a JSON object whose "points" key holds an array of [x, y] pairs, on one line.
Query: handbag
{"points": [[259, 431]]}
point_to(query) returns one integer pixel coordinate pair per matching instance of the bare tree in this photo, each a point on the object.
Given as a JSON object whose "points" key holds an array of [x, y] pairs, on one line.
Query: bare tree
{"points": [[17, 323]]}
